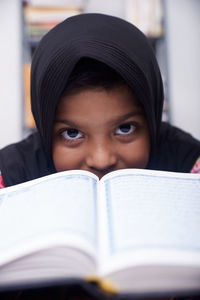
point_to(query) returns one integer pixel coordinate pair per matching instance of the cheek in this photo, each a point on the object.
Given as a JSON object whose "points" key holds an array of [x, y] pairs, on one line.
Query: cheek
{"points": [[66, 159], [136, 155]]}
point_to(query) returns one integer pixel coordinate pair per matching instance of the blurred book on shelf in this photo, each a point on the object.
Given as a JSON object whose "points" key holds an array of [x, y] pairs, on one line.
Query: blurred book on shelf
{"points": [[28, 117], [147, 15], [166, 112], [42, 16], [55, 3]]}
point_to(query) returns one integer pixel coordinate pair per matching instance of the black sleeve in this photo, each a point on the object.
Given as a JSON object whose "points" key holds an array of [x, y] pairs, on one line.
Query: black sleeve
{"points": [[24, 161]]}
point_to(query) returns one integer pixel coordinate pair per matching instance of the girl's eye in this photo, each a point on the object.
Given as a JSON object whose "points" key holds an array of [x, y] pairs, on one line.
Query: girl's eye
{"points": [[72, 134], [125, 129]]}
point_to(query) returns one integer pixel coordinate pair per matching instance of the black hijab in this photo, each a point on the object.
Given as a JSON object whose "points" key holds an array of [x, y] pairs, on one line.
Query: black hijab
{"points": [[125, 49], [108, 39]]}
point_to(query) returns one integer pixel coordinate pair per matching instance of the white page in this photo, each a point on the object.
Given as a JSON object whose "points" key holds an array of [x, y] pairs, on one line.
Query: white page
{"points": [[61, 209], [148, 211]]}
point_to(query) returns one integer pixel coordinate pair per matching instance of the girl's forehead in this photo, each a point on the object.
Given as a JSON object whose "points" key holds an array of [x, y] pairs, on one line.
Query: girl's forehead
{"points": [[118, 98]]}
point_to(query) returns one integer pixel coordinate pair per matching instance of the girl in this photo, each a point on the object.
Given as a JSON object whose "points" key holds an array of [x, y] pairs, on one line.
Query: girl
{"points": [[97, 99]]}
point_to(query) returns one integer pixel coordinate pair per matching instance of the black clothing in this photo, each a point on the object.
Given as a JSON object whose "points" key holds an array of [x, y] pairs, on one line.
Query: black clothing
{"points": [[176, 151], [24, 161]]}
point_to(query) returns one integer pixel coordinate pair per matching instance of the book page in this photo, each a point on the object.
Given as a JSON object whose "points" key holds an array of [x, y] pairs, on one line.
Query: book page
{"points": [[149, 210], [55, 210]]}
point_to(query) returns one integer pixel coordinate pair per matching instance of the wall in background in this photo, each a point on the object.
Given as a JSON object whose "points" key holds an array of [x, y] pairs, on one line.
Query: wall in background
{"points": [[183, 44], [10, 72]]}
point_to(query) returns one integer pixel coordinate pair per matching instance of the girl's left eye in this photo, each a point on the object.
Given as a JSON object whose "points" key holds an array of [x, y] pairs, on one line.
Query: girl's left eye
{"points": [[72, 134], [125, 129]]}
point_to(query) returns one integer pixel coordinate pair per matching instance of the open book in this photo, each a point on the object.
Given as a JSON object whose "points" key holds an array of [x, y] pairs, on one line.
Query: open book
{"points": [[139, 230]]}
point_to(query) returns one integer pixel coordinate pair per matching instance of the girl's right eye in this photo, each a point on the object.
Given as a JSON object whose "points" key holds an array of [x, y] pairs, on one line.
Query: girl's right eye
{"points": [[71, 134]]}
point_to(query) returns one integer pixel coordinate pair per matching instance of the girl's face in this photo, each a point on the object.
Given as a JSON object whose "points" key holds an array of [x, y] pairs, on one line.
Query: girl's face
{"points": [[100, 131]]}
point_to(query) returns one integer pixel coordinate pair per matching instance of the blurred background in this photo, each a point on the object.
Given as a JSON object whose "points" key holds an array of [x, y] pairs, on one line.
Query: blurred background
{"points": [[172, 26]]}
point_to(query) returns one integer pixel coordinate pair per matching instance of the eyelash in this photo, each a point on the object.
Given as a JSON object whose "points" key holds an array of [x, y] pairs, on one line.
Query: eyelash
{"points": [[73, 140]]}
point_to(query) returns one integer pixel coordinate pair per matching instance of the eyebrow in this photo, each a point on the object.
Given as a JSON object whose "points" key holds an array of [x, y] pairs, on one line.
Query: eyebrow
{"points": [[126, 116], [115, 120], [66, 122]]}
